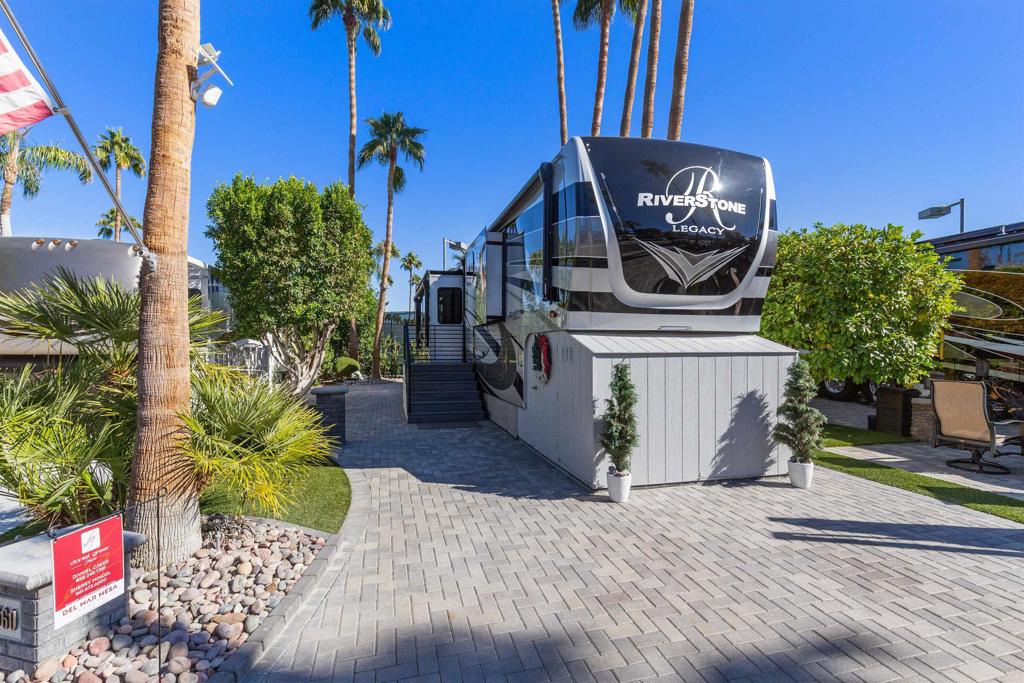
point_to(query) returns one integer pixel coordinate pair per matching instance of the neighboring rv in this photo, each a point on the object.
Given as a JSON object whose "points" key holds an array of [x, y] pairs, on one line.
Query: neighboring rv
{"points": [[652, 251], [27, 261], [991, 327]]}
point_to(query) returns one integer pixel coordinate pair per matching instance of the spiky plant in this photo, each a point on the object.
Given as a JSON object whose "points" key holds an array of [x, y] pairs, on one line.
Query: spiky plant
{"points": [[620, 435], [800, 425]]}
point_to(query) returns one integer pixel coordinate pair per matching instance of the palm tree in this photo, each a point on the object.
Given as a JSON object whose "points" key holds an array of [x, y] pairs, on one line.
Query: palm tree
{"points": [[682, 65], [411, 262], [414, 282], [587, 13], [563, 116], [110, 221], [378, 259], [389, 137], [160, 462], [116, 149], [651, 79], [637, 11], [25, 164], [370, 15]]}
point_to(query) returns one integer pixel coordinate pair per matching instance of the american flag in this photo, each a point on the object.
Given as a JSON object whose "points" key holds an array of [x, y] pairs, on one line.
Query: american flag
{"points": [[22, 100]]}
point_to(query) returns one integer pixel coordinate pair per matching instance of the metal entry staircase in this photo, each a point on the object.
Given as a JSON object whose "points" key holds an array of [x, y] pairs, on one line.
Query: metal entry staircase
{"points": [[440, 386]]}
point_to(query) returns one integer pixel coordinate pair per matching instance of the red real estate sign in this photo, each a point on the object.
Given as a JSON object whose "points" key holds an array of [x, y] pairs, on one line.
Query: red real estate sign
{"points": [[88, 569]]}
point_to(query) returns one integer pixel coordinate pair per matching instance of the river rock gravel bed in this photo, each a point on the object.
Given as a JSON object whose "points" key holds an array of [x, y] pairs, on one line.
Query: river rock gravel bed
{"points": [[209, 604]]}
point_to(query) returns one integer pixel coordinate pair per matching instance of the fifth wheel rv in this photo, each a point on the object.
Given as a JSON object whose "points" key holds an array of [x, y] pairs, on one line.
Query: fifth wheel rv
{"points": [[654, 252]]}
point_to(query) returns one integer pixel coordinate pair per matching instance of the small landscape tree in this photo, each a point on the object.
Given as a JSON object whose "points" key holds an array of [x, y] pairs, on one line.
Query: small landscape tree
{"points": [[865, 303], [296, 262], [620, 435], [800, 425]]}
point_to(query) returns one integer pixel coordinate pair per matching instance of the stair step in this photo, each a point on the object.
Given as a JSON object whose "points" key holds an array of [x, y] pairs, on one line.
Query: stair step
{"points": [[446, 406], [454, 417]]}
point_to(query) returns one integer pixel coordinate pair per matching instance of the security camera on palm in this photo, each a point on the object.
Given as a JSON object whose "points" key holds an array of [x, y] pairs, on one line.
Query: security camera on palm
{"points": [[654, 252]]}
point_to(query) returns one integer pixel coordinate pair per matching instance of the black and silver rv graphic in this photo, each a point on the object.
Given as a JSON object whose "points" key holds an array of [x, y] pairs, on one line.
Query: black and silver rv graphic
{"points": [[688, 219]]}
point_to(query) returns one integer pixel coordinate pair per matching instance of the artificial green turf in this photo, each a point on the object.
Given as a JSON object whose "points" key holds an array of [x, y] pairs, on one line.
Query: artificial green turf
{"points": [[321, 500], [948, 492], [838, 435]]}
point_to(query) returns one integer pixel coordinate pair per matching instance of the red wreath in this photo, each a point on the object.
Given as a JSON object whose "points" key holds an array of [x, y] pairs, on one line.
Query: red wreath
{"points": [[544, 346]]}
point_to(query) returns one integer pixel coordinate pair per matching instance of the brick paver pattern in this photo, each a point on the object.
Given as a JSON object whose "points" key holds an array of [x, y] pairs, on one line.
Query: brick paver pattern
{"points": [[481, 562]]}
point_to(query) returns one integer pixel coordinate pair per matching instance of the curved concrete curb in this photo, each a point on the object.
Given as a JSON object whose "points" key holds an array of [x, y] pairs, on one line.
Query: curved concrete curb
{"points": [[309, 589]]}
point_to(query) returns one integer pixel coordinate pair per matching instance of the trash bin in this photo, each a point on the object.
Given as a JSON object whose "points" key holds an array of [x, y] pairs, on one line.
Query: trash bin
{"points": [[894, 410]]}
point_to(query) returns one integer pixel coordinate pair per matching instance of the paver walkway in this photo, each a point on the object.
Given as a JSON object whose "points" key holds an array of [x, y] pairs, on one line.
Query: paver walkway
{"points": [[481, 562]]}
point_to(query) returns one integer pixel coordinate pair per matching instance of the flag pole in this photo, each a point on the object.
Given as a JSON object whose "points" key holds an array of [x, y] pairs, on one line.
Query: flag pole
{"points": [[62, 109]]}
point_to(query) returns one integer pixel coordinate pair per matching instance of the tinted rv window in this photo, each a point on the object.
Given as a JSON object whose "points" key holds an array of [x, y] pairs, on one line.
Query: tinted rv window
{"points": [[687, 217], [449, 306]]}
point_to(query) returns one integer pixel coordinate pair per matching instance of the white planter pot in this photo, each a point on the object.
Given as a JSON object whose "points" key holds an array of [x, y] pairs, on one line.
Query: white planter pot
{"points": [[801, 474], [618, 486]]}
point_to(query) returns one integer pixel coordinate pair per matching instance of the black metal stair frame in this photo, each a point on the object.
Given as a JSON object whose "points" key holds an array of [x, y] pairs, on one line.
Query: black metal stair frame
{"points": [[439, 391]]}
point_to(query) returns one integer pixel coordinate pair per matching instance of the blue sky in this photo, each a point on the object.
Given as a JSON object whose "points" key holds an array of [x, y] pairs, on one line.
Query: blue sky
{"points": [[868, 111]]}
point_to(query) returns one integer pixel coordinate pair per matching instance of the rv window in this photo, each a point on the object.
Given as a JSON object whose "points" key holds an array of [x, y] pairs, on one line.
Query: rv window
{"points": [[449, 306]]}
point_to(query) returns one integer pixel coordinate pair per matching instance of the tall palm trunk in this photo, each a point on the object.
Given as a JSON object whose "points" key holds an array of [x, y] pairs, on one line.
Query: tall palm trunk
{"points": [[651, 79], [602, 66], [351, 35], [117, 214], [682, 65], [10, 180], [634, 67], [163, 376], [383, 300], [410, 290], [563, 115]]}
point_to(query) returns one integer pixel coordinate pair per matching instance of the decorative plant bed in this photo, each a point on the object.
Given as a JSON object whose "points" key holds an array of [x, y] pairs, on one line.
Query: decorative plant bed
{"points": [[209, 604]]}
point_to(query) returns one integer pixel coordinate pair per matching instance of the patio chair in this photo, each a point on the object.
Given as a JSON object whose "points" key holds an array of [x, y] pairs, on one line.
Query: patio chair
{"points": [[962, 420]]}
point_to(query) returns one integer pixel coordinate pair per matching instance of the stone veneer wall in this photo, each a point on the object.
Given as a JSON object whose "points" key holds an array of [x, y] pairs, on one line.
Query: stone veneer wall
{"points": [[330, 402], [921, 420], [26, 585]]}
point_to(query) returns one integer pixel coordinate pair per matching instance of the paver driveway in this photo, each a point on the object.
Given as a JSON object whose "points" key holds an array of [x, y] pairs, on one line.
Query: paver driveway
{"points": [[481, 562]]}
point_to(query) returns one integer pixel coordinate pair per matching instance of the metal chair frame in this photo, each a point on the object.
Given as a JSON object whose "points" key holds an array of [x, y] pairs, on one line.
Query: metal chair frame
{"points": [[977, 462]]}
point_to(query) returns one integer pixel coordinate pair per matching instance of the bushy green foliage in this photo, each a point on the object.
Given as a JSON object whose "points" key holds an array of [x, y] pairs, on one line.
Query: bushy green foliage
{"points": [[620, 436], [253, 439], [866, 303], [67, 432], [296, 262], [800, 425], [337, 368]]}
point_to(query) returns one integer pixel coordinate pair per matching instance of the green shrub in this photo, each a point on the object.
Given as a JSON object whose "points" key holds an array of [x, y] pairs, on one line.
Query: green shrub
{"points": [[67, 433], [337, 368], [800, 425], [620, 436], [252, 439]]}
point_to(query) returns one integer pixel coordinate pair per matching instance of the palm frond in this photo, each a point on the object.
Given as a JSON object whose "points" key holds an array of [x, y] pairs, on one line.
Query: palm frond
{"points": [[372, 39], [322, 11]]}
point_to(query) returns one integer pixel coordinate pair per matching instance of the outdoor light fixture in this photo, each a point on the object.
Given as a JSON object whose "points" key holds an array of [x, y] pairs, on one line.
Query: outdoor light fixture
{"points": [[207, 94], [940, 211], [445, 244]]}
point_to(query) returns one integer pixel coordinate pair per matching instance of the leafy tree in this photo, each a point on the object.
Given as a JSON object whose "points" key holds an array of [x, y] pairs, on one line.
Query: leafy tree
{"points": [[109, 221], [620, 435], [866, 303], [390, 137], [800, 426], [586, 14], [370, 15], [116, 149], [24, 164], [410, 263], [296, 262]]}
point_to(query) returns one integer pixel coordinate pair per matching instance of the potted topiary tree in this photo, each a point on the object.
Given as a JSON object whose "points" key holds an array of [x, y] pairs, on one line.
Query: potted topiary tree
{"points": [[800, 425], [620, 435]]}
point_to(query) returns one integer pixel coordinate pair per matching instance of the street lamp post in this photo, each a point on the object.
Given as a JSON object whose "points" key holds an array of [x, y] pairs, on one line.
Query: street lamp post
{"points": [[940, 211]]}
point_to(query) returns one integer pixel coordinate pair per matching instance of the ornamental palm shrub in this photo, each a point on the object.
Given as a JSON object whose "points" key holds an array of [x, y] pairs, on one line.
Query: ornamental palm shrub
{"points": [[252, 439], [800, 425], [67, 432], [620, 435]]}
